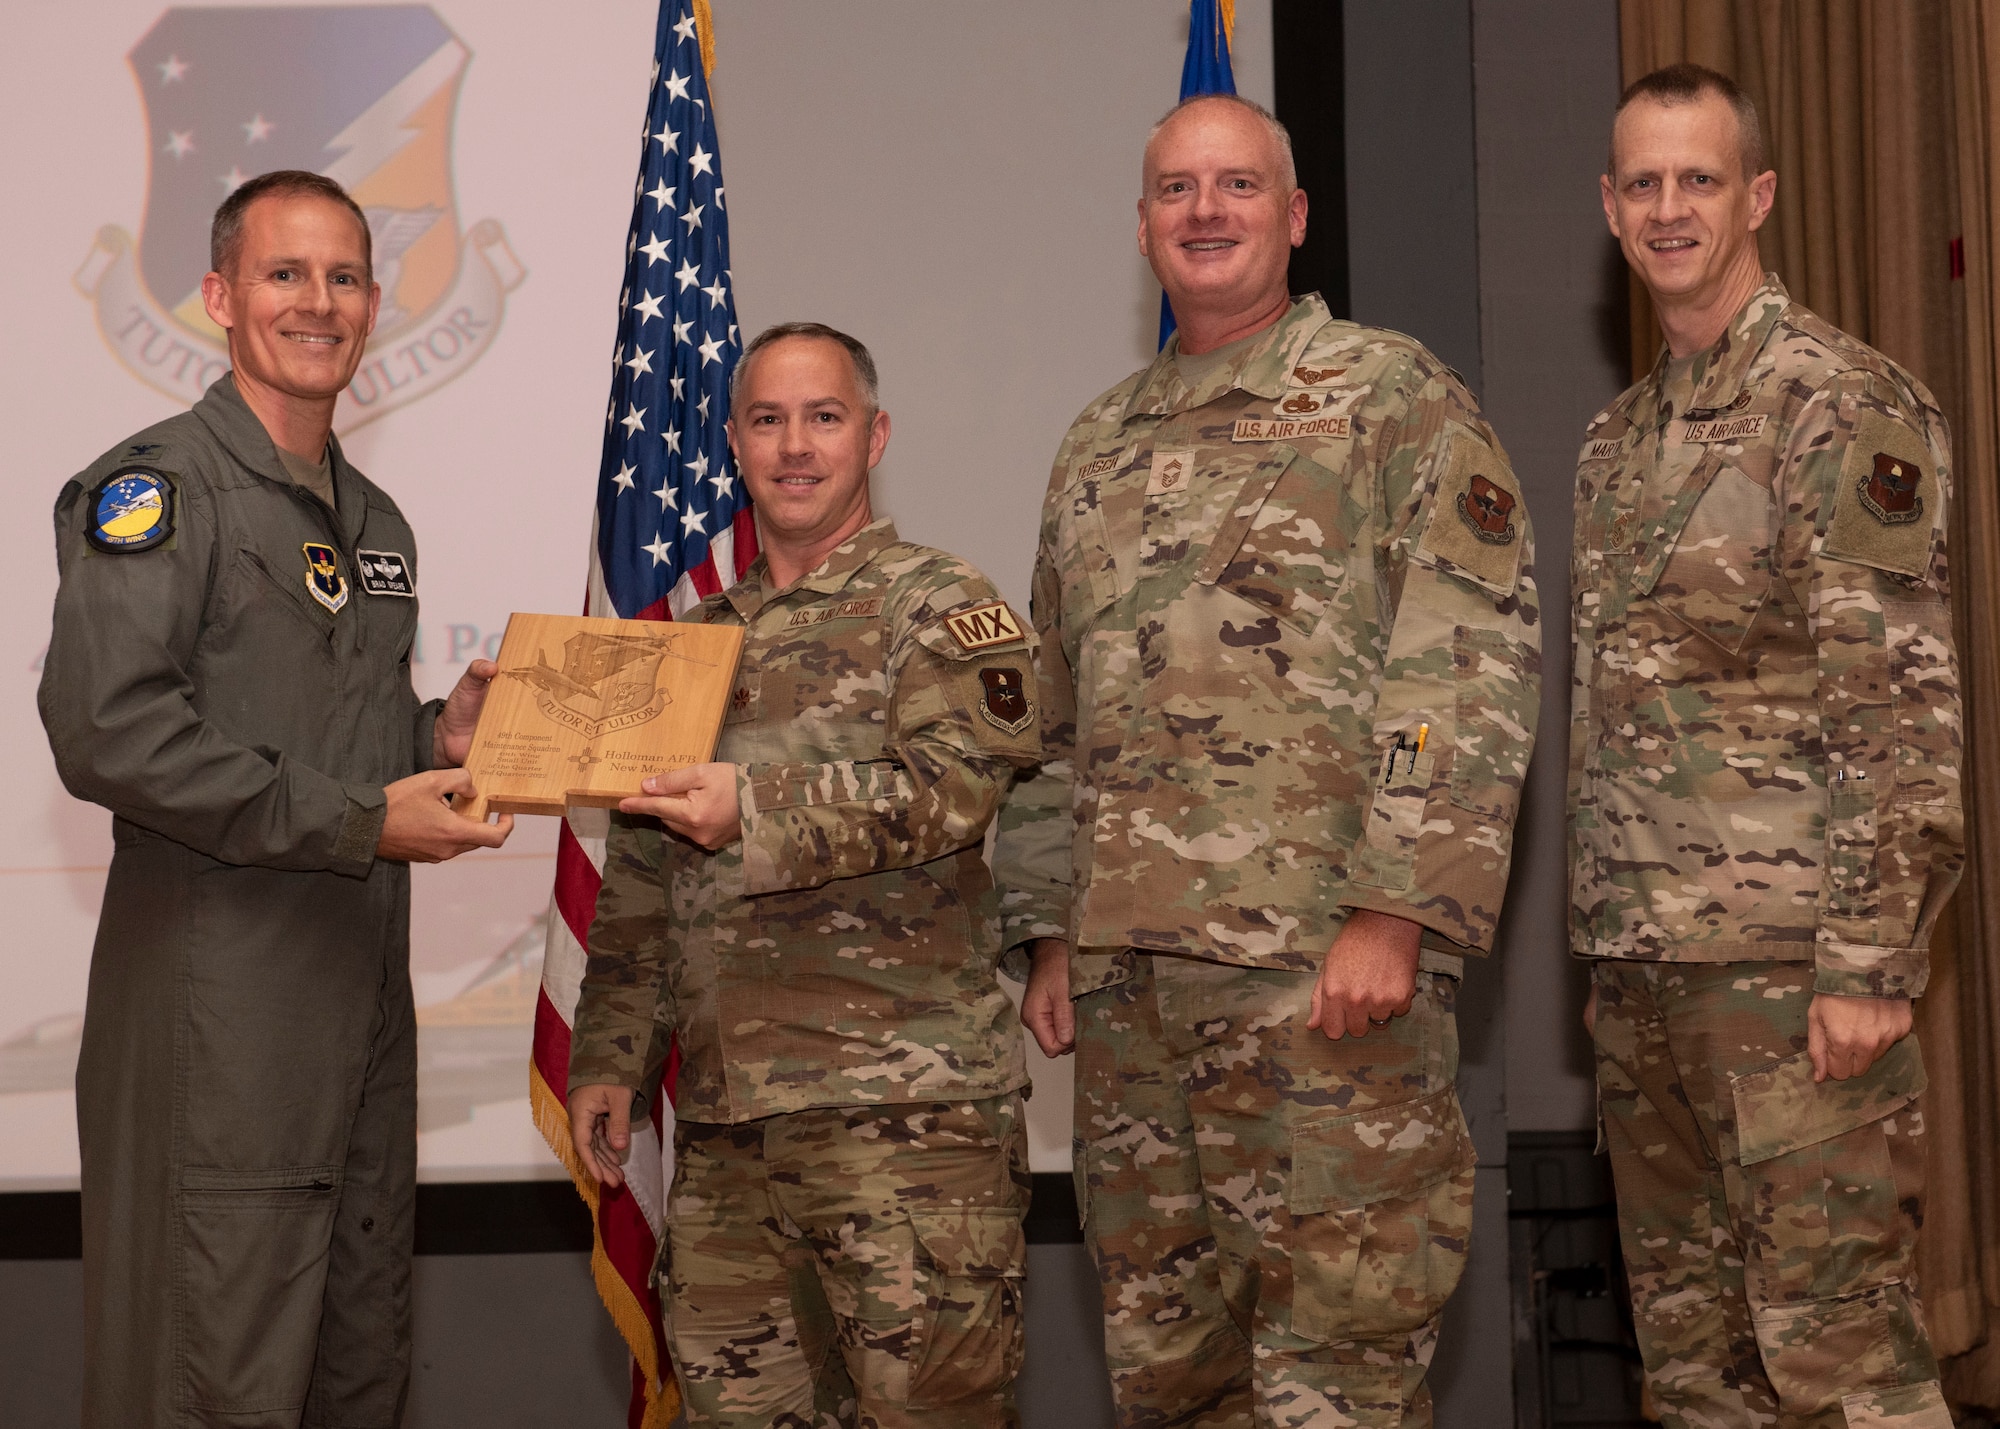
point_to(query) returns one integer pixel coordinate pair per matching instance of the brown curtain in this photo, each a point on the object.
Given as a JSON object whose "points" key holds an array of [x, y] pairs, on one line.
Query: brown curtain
{"points": [[1882, 119]]}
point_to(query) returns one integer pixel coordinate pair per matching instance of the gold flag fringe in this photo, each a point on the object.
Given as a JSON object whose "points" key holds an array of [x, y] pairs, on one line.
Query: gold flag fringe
{"points": [[663, 1394]]}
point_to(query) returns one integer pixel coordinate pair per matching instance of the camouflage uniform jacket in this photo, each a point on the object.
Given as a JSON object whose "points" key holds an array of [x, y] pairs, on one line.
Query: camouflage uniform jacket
{"points": [[1252, 596], [843, 950], [1764, 723]]}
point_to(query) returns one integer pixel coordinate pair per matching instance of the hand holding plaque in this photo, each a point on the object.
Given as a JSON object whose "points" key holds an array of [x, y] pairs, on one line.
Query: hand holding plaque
{"points": [[583, 709]]}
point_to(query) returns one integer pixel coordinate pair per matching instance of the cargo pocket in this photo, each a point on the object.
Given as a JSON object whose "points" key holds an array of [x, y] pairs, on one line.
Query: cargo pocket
{"points": [[1381, 1202], [967, 1340], [1829, 1246], [253, 1259]]}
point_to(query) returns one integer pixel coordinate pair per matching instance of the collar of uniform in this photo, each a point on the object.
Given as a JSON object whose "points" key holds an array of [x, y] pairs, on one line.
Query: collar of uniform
{"points": [[1260, 369], [1723, 370], [830, 576], [225, 412]]}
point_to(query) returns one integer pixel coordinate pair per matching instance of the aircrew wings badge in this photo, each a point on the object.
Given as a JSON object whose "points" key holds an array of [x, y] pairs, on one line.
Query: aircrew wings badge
{"points": [[131, 510], [324, 582], [982, 627]]}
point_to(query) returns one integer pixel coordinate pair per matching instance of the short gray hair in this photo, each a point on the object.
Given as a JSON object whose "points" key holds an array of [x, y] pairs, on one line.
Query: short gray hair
{"points": [[1688, 84], [864, 364], [1288, 170]]}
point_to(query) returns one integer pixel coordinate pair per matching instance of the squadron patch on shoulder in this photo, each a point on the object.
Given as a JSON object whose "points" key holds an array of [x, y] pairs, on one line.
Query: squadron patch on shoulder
{"points": [[1006, 703], [1889, 490], [1475, 519], [131, 510], [984, 626], [1488, 511], [386, 573], [1883, 499], [324, 583]]}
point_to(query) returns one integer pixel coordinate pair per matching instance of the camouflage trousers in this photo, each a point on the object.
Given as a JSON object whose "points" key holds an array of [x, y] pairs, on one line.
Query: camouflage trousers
{"points": [[1769, 1223], [853, 1266], [1277, 1218]]}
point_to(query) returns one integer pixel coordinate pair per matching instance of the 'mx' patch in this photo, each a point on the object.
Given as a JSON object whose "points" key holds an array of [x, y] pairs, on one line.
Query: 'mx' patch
{"points": [[131, 510], [386, 573], [324, 582], [984, 626], [1006, 703], [1881, 514]]}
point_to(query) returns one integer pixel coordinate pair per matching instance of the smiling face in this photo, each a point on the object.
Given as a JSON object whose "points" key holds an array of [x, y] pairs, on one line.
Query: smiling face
{"points": [[1219, 217], [299, 303], [805, 438], [1680, 205]]}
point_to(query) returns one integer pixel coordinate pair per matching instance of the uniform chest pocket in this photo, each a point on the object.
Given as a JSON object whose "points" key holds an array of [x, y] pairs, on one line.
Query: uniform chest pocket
{"points": [[1708, 558], [1284, 547], [1084, 549]]}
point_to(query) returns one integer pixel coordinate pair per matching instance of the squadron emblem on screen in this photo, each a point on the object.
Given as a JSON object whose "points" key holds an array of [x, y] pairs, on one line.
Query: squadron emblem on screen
{"points": [[219, 113]]}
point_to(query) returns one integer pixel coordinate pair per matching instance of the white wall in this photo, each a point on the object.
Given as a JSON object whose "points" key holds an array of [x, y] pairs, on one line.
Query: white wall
{"points": [[952, 182]]}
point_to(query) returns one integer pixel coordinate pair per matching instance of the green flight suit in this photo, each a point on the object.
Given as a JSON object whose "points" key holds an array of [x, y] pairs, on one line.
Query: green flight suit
{"points": [[246, 1093]]}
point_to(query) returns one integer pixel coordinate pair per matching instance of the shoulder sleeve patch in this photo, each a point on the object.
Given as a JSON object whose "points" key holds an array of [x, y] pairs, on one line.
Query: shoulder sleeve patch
{"points": [[1475, 521], [1886, 500], [130, 510], [985, 627]]}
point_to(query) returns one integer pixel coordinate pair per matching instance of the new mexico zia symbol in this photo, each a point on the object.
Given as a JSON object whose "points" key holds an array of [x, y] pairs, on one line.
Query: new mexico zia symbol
{"points": [[361, 93], [606, 683]]}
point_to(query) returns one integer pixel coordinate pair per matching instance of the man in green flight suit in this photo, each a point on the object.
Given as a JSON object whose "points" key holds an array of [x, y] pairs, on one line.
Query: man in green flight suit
{"points": [[229, 674], [814, 917]]}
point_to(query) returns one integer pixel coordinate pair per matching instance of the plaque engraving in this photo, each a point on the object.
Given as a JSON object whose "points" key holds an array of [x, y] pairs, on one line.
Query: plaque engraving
{"points": [[584, 708]]}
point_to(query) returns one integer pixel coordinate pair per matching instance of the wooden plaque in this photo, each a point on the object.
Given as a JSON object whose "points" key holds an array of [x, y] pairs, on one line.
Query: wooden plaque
{"points": [[583, 709]]}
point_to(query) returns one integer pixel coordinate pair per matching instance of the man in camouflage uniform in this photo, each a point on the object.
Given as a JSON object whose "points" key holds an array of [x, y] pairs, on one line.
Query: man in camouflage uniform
{"points": [[1288, 665], [1765, 802], [816, 922]]}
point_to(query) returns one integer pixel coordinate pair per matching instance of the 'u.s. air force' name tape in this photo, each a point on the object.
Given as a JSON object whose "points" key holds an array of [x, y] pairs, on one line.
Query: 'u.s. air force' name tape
{"points": [[984, 626], [1278, 429]]}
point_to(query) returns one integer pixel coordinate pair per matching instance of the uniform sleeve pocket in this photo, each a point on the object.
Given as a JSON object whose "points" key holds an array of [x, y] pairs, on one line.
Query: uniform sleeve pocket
{"points": [[968, 1333], [253, 1249], [1851, 822], [1381, 1206], [1496, 693], [1387, 856]]}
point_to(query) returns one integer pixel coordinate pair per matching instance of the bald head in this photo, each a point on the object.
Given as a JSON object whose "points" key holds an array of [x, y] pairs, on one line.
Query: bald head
{"points": [[1256, 126]]}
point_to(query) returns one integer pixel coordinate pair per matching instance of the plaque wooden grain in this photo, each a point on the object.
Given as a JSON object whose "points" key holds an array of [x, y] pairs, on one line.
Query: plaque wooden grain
{"points": [[585, 708]]}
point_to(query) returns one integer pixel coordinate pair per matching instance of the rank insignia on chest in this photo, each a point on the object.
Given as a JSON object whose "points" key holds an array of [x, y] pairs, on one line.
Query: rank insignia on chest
{"points": [[1889, 491], [131, 510], [1488, 510], [1006, 702], [323, 579], [386, 573], [984, 626], [1170, 472]]}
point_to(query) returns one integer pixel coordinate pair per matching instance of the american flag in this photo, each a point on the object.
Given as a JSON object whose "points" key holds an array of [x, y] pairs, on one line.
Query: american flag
{"points": [[673, 524]]}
